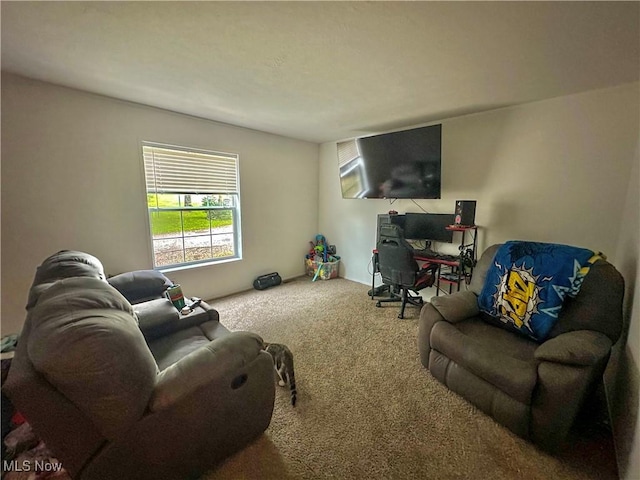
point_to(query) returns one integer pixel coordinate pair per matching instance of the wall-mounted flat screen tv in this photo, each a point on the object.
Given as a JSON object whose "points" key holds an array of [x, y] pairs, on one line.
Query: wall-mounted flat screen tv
{"points": [[404, 164]]}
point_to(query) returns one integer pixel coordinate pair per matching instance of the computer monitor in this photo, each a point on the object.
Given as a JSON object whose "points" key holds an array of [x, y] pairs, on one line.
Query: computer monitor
{"points": [[428, 226]]}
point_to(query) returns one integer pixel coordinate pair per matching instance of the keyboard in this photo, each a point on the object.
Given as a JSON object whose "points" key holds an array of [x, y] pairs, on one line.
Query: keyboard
{"points": [[426, 253]]}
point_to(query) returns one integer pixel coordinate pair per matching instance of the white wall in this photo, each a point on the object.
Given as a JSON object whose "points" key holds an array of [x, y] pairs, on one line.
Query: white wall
{"points": [[624, 381], [555, 171], [72, 179], [561, 170]]}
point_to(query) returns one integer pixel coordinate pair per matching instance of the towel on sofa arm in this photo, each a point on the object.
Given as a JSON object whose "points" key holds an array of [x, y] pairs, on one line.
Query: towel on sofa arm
{"points": [[527, 283]]}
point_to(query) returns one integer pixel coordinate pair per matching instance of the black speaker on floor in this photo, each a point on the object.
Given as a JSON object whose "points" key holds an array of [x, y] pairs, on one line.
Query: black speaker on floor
{"points": [[266, 281], [465, 213]]}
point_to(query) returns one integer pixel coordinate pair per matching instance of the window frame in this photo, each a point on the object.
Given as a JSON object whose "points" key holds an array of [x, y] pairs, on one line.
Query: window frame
{"points": [[155, 190], [350, 162]]}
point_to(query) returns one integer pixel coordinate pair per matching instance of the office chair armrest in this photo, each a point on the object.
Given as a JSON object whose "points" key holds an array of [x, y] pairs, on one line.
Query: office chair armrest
{"points": [[580, 347], [457, 306], [212, 363]]}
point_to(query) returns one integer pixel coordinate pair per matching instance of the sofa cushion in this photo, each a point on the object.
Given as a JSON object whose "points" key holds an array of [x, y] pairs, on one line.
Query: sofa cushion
{"points": [[140, 285], [85, 341]]}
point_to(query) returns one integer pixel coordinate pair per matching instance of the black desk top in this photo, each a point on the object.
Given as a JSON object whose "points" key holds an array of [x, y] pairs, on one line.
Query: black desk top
{"points": [[430, 254]]}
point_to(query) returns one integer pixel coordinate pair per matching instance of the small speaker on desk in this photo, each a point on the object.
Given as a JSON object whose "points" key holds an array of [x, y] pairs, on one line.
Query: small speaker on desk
{"points": [[465, 213]]}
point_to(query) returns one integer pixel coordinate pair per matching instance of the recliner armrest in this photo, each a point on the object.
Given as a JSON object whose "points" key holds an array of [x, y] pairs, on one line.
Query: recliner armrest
{"points": [[157, 318], [457, 306], [155, 314], [210, 363], [580, 347]]}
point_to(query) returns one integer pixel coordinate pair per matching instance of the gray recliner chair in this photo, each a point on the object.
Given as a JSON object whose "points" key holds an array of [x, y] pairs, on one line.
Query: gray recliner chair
{"points": [[117, 390], [534, 389]]}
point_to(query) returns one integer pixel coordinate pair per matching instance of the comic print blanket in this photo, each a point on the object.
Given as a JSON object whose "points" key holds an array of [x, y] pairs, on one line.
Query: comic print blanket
{"points": [[528, 282]]}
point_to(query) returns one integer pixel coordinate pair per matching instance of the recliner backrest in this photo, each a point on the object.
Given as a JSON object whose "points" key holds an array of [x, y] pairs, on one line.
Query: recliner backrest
{"points": [[597, 306], [481, 269], [64, 264], [83, 338]]}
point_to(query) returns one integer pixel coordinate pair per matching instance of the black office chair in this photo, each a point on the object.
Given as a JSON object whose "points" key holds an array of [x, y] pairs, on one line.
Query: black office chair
{"points": [[400, 270]]}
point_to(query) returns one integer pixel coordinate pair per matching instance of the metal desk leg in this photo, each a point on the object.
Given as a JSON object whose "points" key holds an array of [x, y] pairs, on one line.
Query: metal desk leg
{"points": [[374, 261]]}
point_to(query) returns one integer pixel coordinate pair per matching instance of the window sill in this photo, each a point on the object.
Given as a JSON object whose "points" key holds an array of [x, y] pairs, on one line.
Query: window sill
{"points": [[178, 268]]}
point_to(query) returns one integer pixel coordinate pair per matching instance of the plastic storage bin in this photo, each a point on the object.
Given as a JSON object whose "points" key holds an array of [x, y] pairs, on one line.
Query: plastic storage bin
{"points": [[328, 270]]}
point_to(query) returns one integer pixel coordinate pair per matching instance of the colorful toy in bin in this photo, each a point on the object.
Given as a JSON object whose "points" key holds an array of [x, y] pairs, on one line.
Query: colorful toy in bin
{"points": [[321, 261], [321, 245], [323, 270]]}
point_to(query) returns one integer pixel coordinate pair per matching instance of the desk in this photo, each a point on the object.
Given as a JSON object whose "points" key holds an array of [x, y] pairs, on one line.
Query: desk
{"points": [[455, 272], [450, 270], [453, 275], [448, 278]]}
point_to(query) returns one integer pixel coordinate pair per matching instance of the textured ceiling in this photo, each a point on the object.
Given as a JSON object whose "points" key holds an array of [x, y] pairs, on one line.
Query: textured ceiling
{"points": [[324, 71]]}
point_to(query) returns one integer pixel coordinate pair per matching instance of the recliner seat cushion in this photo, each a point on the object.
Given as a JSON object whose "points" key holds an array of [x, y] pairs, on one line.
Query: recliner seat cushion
{"points": [[490, 354], [85, 341], [168, 349]]}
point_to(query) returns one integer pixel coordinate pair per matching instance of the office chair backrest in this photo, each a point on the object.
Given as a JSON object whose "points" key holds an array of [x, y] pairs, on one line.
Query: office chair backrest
{"points": [[390, 231], [396, 263], [395, 233]]}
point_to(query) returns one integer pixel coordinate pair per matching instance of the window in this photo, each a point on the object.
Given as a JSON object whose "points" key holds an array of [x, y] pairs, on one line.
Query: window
{"points": [[353, 176], [194, 205]]}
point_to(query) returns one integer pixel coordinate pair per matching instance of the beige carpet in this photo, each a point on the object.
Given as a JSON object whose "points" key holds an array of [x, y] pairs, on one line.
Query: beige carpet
{"points": [[367, 409]]}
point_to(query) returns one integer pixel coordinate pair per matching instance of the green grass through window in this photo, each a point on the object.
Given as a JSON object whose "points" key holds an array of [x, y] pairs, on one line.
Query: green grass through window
{"points": [[166, 222]]}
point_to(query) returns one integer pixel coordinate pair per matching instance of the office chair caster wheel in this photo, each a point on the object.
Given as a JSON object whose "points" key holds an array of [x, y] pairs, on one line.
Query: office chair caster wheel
{"points": [[378, 304]]}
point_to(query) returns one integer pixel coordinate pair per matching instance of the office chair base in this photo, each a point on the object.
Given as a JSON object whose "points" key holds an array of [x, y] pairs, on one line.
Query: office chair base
{"points": [[404, 297], [378, 291]]}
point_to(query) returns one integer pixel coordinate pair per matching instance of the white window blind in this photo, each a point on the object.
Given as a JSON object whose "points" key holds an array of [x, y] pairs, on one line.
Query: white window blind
{"points": [[193, 201], [347, 151], [170, 170]]}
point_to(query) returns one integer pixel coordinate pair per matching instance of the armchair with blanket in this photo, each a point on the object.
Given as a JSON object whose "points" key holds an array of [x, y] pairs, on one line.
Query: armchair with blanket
{"points": [[532, 378], [118, 390]]}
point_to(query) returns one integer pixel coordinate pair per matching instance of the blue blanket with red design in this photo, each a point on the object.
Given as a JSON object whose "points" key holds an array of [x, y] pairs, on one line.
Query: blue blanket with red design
{"points": [[528, 282]]}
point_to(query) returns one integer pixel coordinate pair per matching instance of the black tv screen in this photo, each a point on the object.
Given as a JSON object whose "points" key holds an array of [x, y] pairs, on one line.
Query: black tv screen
{"points": [[404, 164]]}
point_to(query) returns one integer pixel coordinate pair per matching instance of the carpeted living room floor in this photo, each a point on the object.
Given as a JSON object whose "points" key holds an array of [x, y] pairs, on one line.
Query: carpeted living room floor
{"points": [[366, 406]]}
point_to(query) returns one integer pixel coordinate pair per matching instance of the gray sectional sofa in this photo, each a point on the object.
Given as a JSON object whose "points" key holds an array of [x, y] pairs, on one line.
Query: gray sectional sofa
{"points": [[120, 385]]}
